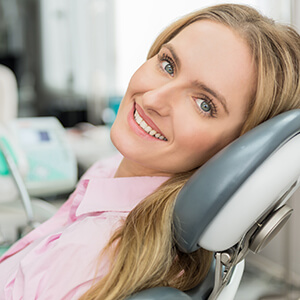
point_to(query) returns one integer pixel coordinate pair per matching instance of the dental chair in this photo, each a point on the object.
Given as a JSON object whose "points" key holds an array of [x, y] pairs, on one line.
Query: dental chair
{"points": [[235, 203], [8, 95]]}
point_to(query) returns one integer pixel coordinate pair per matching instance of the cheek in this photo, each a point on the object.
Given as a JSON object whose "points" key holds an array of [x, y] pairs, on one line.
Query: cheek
{"points": [[138, 80], [144, 78], [200, 145], [193, 147]]}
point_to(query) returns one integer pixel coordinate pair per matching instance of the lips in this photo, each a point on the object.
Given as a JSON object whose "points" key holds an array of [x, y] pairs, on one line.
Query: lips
{"points": [[147, 124]]}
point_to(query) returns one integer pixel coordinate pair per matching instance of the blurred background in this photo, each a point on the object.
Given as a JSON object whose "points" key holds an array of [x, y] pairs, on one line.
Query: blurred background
{"points": [[73, 60], [74, 57]]}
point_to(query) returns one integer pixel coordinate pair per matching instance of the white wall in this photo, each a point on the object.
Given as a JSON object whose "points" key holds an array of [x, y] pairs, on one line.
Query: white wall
{"points": [[295, 14]]}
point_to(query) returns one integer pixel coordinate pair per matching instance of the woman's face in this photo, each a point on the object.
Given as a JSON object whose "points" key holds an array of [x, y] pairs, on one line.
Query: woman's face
{"points": [[186, 103]]}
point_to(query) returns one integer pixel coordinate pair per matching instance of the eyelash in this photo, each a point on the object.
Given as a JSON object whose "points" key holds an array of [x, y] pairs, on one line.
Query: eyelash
{"points": [[166, 58], [213, 112]]}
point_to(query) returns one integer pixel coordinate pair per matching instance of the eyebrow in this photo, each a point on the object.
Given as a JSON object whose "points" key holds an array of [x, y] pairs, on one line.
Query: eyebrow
{"points": [[196, 83], [173, 52]]}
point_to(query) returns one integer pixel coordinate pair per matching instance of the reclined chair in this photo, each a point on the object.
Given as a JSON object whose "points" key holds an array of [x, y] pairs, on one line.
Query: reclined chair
{"points": [[236, 203]]}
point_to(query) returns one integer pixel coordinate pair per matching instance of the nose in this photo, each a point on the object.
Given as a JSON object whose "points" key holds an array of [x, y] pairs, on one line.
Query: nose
{"points": [[160, 99]]}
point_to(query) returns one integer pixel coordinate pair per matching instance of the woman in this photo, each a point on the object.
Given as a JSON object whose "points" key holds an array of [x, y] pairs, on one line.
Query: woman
{"points": [[209, 78]]}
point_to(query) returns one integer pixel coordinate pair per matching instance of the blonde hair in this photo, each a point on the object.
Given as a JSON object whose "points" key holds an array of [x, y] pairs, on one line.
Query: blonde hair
{"points": [[143, 252]]}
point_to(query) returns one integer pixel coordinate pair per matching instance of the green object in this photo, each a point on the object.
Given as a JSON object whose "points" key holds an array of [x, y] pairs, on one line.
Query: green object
{"points": [[3, 249], [4, 170]]}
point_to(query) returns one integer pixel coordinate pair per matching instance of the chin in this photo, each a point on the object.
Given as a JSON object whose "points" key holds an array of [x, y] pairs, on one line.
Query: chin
{"points": [[114, 136]]}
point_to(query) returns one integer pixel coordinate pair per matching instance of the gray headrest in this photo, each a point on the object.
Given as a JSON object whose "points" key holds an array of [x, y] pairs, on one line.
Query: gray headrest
{"points": [[211, 187]]}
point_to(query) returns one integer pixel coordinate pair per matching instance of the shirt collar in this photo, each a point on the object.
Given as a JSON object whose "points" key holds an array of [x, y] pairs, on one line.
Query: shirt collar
{"points": [[117, 194]]}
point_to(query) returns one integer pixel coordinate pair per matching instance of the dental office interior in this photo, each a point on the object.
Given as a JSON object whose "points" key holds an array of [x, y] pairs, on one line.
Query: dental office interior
{"points": [[64, 66]]}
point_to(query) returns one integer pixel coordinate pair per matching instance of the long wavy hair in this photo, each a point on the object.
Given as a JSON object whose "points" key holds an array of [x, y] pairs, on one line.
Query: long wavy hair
{"points": [[142, 251]]}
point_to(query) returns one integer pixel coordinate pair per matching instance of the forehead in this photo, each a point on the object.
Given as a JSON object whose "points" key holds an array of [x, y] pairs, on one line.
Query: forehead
{"points": [[214, 40], [214, 53], [212, 30]]}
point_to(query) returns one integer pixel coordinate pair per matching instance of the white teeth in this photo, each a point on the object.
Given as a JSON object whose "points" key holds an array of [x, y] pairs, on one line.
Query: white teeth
{"points": [[139, 120], [152, 132], [143, 124], [146, 127]]}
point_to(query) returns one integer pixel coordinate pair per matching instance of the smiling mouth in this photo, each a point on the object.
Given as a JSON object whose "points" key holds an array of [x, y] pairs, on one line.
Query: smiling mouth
{"points": [[148, 129]]}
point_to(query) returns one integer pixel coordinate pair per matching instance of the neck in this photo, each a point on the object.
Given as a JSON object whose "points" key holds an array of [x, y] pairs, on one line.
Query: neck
{"points": [[129, 168]]}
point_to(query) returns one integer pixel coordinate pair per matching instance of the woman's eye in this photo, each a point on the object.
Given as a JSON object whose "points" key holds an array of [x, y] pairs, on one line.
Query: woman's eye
{"points": [[166, 64], [168, 67], [206, 106]]}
